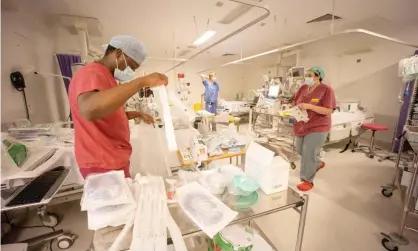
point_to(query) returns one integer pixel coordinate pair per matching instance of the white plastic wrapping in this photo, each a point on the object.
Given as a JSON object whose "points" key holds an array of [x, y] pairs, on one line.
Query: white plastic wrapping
{"points": [[106, 189], [204, 209], [408, 68], [161, 93]]}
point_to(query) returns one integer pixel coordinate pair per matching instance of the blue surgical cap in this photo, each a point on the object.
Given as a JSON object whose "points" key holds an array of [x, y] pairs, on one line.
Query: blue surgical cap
{"points": [[131, 46]]}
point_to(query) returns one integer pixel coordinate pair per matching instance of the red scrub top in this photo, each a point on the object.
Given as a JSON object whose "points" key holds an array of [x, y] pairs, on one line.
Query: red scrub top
{"points": [[322, 95], [103, 144]]}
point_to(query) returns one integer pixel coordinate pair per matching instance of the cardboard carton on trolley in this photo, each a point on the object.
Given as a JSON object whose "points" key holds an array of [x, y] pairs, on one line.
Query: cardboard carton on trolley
{"points": [[271, 173]]}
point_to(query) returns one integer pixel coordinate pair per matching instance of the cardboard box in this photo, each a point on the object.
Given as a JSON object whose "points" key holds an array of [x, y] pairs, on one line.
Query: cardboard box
{"points": [[270, 173]]}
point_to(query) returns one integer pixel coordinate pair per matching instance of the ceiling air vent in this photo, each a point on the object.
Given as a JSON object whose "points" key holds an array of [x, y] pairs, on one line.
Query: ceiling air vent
{"points": [[228, 54], [326, 17]]}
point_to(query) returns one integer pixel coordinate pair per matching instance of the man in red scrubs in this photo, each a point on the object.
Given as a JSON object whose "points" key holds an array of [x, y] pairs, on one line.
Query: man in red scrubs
{"points": [[102, 136]]}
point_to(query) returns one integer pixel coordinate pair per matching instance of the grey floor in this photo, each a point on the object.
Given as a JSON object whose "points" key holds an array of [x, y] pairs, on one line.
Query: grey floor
{"points": [[346, 210]]}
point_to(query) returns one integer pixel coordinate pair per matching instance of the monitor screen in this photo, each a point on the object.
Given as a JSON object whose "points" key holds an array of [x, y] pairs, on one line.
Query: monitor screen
{"points": [[274, 91]]}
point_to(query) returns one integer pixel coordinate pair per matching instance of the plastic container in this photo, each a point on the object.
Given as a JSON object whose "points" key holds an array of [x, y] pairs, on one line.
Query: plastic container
{"points": [[239, 202], [242, 185]]}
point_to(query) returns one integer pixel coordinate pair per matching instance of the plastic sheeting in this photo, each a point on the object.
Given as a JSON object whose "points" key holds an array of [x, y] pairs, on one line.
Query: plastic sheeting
{"points": [[155, 158]]}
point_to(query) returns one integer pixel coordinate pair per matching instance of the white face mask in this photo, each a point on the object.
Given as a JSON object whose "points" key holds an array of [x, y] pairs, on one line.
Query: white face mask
{"points": [[309, 81], [126, 75]]}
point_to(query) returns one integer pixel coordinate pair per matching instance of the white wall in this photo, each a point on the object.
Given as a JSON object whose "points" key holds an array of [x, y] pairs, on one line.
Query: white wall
{"points": [[28, 44], [230, 79], [373, 81]]}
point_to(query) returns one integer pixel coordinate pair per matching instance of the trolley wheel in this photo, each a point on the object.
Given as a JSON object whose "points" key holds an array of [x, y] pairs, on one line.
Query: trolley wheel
{"points": [[64, 242], [50, 220], [353, 151], [371, 156], [387, 192], [293, 165], [388, 245]]}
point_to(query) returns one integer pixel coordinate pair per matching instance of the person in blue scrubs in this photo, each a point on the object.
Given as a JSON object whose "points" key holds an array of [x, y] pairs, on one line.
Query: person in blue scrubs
{"points": [[211, 92]]}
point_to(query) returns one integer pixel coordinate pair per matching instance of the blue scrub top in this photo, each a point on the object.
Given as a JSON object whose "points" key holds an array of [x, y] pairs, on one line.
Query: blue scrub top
{"points": [[211, 91]]}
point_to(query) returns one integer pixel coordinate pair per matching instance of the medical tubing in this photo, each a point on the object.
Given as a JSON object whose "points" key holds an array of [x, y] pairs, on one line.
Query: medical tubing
{"points": [[229, 35]]}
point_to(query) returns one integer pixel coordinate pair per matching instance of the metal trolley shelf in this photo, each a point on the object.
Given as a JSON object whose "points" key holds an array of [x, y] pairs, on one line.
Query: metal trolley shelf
{"points": [[278, 130], [393, 240]]}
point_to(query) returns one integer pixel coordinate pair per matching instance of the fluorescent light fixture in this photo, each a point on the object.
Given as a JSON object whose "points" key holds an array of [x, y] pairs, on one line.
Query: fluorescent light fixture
{"points": [[205, 37], [298, 45]]}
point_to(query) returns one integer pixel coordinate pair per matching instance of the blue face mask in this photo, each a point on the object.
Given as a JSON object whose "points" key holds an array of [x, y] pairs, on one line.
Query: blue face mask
{"points": [[309, 81], [126, 75]]}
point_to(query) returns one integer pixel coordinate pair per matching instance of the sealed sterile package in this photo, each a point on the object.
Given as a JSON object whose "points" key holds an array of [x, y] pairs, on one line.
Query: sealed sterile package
{"points": [[300, 115], [105, 189], [113, 216], [204, 209]]}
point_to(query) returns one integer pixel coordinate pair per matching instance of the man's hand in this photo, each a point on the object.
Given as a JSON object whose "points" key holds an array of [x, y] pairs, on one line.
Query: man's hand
{"points": [[147, 118], [155, 79], [140, 115], [305, 106]]}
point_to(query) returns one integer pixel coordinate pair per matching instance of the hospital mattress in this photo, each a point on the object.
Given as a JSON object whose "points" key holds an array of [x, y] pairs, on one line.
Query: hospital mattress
{"points": [[345, 124], [339, 118], [237, 106]]}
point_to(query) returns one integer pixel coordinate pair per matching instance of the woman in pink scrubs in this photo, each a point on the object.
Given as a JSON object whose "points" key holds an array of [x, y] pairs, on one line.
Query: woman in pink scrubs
{"points": [[318, 100]]}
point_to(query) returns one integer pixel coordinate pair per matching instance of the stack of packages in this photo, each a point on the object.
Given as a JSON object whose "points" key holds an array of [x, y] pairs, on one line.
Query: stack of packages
{"points": [[108, 200], [140, 205]]}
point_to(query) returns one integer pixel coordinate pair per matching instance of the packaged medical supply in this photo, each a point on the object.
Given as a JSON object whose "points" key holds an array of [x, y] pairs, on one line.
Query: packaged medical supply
{"points": [[408, 68], [198, 150], [230, 171], [150, 224], [299, 115], [115, 215], [16, 151], [214, 181], [233, 238], [270, 173], [204, 209], [171, 191], [105, 189]]}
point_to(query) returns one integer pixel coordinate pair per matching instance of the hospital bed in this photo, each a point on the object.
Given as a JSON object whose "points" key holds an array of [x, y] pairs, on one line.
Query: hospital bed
{"points": [[237, 108], [347, 124]]}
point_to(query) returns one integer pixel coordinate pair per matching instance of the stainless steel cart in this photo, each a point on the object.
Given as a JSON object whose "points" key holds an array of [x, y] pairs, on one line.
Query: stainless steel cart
{"points": [[393, 240], [265, 205], [278, 130]]}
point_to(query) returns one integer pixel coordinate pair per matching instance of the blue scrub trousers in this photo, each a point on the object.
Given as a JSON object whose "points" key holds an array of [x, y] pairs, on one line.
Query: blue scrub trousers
{"points": [[211, 107]]}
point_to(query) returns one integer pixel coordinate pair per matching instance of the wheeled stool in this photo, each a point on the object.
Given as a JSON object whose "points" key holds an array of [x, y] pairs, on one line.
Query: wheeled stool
{"points": [[369, 150]]}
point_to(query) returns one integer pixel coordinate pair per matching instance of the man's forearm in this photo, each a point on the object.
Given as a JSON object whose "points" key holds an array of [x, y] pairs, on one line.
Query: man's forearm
{"points": [[100, 104]]}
